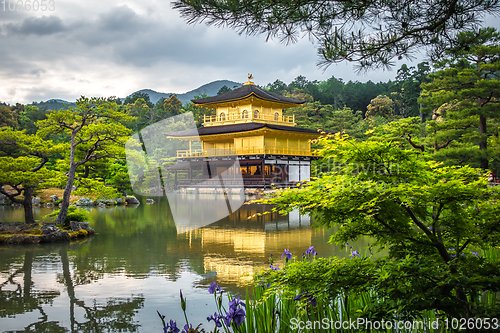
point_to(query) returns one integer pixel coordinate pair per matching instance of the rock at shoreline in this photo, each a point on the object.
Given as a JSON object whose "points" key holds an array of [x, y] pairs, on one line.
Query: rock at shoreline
{"points": [[101, 205], [22, 233], [150, 201], [85, 202], [4, 200], [131, 200], [54, 198], [36, 201]]}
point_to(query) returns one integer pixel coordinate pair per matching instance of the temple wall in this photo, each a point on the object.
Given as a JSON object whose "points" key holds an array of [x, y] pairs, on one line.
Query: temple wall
{"points": [[236, 112]]}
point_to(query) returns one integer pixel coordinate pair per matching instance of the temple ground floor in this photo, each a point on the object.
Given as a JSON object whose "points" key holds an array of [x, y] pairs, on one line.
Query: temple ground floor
{"points": [[254, 171]]}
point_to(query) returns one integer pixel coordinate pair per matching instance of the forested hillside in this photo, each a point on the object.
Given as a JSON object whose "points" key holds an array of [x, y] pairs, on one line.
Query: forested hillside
{"points": [[450, 110]]}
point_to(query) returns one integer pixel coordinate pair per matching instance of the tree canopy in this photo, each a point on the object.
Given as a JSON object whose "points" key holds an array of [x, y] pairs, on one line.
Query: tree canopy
{"points": [[431, 218], [468, 82], [370, 33], [96, 131], [23, 159]]}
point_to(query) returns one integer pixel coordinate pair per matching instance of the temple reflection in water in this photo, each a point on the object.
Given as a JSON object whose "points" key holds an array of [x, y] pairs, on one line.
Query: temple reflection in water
{"points": [[136, 264], [237, 246]]}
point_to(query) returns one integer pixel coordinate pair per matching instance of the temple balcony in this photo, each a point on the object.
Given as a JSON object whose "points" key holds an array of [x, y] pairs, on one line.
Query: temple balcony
{"points": [[245, 151], [230, 119]]}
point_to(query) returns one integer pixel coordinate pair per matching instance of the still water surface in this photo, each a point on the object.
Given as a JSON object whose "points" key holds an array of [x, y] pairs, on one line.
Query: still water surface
{"points": [[136, 264]]}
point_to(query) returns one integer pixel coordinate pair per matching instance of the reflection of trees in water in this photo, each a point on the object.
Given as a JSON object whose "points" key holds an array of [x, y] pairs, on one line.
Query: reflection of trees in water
{"points": [[115, 315], [24, 299], [138, 241]]}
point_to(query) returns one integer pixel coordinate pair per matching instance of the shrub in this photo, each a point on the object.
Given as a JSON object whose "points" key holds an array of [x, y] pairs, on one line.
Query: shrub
{"points": [[74, 214]]}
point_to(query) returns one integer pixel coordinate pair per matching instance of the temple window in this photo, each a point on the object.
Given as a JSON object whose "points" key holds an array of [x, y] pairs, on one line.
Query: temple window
{"points": [[222, 116], [276, 116], [256, 114], [244, 114]]}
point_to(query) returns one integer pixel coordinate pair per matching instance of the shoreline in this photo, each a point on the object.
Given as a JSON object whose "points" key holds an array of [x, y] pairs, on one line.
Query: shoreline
{"points": [[20, 233]]}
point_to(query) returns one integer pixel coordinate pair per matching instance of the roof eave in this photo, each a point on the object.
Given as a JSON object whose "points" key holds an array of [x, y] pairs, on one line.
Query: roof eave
{"points": [[289, 104]]}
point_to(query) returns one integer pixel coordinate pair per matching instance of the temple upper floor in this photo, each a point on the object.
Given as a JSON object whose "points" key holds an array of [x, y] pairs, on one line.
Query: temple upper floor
{"points": [[248, 104]]}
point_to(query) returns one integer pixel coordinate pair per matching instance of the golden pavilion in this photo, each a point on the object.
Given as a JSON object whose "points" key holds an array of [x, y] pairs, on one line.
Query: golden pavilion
{"points": [[248, 125]]}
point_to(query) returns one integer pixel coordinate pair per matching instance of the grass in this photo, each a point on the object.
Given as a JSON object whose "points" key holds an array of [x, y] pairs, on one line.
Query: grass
{"points": [[46, 193]]}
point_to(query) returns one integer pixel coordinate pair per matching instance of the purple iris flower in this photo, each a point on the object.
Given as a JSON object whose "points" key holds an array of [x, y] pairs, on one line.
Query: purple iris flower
{"points": [[475, 254], [287, 254], [311, 250], [235, 314], [309, 297], [171, 327], [239, 317], [214, 287], [187, 329], [216, 318], [235, 302], [274, 268], [354, 254], [227, 319]]}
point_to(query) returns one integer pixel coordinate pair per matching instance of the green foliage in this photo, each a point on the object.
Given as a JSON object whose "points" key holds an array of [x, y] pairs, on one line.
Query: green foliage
{"points": [[407, 89], [23, 166], [74, 214], [97, 134], [224, 89], [381, 106], [428, 216], [8, 117], [138, 95], [362, 288], [469, 82], [198, 112], [29, 116], [172, 106]]}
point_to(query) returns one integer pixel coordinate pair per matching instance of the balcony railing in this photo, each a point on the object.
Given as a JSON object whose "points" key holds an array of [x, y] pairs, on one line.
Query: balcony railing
{"points": [[244, 151], [289, 120]]}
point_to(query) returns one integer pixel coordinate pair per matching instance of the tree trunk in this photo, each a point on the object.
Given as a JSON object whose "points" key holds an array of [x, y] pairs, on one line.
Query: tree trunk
{"points": [[28, 205], [67, 192], [28, 264], [61, 217], [483, 143], [69, 286]]}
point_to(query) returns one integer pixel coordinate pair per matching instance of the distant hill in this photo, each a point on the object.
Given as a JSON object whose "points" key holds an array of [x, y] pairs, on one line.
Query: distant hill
{"points": [[53, 104], [210, 89]]}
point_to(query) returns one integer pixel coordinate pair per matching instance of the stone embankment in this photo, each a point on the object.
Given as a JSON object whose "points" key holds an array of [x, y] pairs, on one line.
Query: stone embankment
{"points": [[22, 233]]}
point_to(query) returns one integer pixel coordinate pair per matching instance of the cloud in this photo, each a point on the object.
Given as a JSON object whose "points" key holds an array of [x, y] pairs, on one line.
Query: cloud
{"points": [[40, 26], [104, 48], [117, 25], [37, 71]]}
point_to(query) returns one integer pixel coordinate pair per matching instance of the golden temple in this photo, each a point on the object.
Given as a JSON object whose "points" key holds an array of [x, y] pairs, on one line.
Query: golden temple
{"points": [[250, 126]]}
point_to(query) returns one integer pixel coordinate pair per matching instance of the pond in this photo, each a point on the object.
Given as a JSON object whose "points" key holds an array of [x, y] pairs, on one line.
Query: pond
{"points": [[136, 264]]}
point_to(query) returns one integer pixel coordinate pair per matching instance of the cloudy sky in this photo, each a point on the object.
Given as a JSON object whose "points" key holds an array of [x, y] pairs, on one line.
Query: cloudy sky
{"points": [[112, 48]]}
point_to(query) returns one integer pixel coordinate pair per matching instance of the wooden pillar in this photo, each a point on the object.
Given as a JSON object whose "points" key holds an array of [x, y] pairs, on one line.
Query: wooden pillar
{"points": [[263, 171]]}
